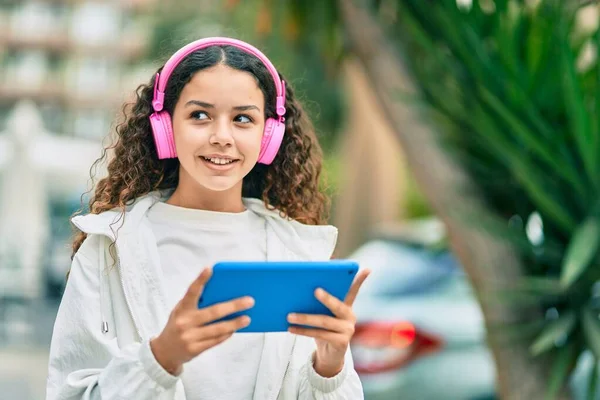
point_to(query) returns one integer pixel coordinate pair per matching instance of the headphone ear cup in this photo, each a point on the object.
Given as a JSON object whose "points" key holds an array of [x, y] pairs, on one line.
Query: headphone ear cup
{"points": [[271, 140], [163, 135]]}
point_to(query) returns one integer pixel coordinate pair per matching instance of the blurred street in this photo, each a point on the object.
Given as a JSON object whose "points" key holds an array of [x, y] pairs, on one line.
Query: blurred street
{"points": [[25, 333]]}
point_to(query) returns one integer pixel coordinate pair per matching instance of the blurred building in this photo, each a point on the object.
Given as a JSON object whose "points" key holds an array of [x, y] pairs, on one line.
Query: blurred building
{"points": [[66, 65], [76, 59]]}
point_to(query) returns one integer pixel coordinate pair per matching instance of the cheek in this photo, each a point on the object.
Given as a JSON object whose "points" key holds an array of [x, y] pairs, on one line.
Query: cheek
{"points": [[186, 137], [249, 143]]}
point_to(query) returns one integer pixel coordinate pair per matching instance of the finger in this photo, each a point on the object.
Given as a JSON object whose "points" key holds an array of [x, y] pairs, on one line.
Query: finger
{"points": [[191, 297], [214, 331], [334, 338], [322, 321], [220, 310], [335, 305], [222, 328], [358, 281], [198, 347]]}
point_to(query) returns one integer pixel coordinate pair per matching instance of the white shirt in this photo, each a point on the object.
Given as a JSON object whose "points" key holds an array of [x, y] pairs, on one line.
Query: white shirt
{"points": [[188, 240]]}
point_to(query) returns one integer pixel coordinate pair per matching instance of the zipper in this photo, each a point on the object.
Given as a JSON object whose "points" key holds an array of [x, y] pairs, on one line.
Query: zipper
{"points": [[127, 300], [136, 324], [287, 367]]}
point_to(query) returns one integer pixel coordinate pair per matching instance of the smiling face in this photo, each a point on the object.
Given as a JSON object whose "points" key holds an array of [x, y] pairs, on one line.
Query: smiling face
{"points": [[218, 124]]}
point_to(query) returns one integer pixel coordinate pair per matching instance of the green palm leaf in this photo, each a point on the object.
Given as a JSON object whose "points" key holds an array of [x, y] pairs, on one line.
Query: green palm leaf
{"points": [[553, 332], [581, 251]]}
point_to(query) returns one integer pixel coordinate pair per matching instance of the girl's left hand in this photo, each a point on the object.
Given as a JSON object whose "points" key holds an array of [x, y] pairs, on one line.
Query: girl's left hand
{"points": [[332, 334]]}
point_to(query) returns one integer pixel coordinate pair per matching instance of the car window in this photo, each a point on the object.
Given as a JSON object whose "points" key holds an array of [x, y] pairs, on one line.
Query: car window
{"points": [[398, 268]]}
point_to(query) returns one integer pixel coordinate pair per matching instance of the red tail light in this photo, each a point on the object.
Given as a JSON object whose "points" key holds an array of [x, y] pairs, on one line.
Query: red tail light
{"points": [[386, 346]]}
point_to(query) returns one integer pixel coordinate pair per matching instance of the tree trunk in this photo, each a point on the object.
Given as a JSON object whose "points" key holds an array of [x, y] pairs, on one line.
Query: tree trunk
{"points": [[374, 182], [491, 265]]}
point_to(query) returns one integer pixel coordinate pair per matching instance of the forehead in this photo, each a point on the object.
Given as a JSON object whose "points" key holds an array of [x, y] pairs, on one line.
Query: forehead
{"points": [[223, 82]]}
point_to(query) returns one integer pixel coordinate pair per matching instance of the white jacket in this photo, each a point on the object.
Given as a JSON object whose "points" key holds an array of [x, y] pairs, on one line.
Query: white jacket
{"points": [[110, 310]]}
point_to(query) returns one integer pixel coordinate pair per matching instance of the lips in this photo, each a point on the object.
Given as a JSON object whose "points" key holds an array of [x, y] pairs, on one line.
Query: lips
{"points": [[219, 160], [219, 164]]}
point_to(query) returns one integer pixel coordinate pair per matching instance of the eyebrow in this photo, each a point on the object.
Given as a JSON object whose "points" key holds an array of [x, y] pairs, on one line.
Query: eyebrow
{"points": [[208, 105]]}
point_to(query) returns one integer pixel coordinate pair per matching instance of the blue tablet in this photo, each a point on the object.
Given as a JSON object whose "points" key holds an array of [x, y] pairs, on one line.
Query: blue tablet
{"points": [[278, 288]]}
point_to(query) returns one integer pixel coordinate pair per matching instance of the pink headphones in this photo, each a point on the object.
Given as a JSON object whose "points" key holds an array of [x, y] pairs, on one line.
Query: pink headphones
{"points": [[160, 120]]}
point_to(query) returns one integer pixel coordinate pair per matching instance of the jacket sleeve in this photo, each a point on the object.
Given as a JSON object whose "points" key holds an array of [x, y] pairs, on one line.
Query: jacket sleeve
{"points": [[344, 386], [86, 363]]}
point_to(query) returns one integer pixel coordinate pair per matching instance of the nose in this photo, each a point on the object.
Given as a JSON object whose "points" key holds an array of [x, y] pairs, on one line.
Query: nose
{"points": [[223, 134]]}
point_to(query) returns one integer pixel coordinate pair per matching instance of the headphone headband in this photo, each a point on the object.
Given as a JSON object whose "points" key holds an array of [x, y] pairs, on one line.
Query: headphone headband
{"points": [[162, 78]]}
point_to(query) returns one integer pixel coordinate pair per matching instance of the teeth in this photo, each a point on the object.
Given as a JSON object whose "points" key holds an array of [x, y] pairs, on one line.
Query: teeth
{"points": [[220, 161]]}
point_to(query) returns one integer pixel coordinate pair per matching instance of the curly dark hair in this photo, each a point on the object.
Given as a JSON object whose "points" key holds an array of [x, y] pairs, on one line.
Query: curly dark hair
{"points": [[290, 184]]}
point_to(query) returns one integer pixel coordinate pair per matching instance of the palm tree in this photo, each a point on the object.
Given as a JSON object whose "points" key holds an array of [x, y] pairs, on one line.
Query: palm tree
{"points": [[496, 105]]}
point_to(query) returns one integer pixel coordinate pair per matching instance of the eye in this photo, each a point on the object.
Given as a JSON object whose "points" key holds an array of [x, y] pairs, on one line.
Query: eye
{"points": [[199, 115], [244, 119]]}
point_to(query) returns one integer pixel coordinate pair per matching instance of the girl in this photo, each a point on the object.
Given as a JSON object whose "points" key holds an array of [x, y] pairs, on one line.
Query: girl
{"points": [[216, 160]]}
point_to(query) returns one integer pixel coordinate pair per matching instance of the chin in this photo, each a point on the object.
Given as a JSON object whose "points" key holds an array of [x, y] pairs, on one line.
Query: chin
{"points": [[217, 184]]}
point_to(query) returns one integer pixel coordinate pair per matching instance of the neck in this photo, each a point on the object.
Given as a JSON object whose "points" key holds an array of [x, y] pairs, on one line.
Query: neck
{"points": [[204, 199]]}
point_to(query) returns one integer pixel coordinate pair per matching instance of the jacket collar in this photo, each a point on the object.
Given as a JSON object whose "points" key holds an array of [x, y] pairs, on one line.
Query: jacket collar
{"points": [[110, 222], [306, 242]]}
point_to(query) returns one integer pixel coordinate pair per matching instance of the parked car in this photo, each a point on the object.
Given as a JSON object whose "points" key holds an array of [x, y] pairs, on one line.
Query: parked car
{"points": [[57, 265], [420, 333], [58, 259]]}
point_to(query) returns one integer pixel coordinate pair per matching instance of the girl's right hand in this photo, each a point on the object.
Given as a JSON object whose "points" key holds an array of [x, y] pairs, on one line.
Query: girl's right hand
{"points": [[187, 332]]}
